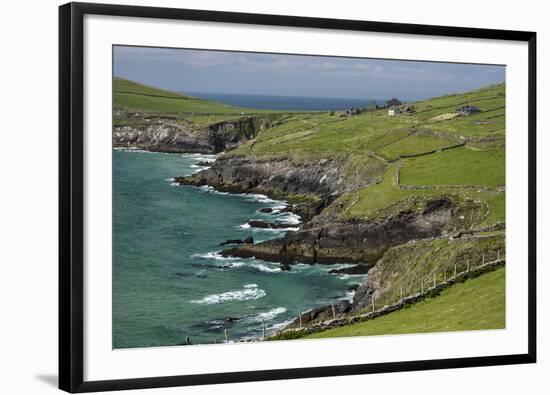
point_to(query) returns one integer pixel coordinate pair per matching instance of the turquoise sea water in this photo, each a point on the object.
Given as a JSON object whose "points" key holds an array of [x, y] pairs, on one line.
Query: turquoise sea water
{"points": [[168, 281]]}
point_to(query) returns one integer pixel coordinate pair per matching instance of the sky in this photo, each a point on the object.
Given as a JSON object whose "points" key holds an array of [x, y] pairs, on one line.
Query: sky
{"points": [[202, 71]]}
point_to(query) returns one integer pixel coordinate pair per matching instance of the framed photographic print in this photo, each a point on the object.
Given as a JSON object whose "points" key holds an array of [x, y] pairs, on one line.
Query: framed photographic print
{"points": [[237, 188]]}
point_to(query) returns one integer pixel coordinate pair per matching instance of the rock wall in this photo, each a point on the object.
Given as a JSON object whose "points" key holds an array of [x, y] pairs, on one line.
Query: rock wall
{"points": [[321, 320]]}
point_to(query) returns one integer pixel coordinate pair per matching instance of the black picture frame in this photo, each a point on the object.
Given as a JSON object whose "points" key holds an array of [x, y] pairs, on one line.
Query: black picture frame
{"points": [[71, 195]]}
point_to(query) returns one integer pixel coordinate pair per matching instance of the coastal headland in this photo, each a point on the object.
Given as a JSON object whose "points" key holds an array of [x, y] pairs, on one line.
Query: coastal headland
{"points": [[404, 198]]}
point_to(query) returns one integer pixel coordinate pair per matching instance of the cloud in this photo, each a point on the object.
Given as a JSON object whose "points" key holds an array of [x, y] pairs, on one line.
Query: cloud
{"points": [[244, 72]]}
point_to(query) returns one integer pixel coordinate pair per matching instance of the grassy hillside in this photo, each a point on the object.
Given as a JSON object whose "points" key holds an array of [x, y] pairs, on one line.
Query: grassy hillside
{"points": [[423, 155], [461, 166], [429, 153], [406, 266], [476, 304], [391, 136], [132, 95]]}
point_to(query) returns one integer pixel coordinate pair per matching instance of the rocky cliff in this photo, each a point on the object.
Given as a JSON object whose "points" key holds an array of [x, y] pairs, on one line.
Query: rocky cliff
{"points": [[310, 183], [172, 134], [361, 242]]}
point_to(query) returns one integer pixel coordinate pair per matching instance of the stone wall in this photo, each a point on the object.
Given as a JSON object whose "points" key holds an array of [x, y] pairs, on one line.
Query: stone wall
{"points": [[407, 300]]}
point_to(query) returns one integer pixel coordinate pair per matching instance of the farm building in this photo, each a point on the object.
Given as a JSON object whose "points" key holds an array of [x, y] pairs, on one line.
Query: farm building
{"points": [[401, 109], [467, 110], [394, 110], [393, 103]]}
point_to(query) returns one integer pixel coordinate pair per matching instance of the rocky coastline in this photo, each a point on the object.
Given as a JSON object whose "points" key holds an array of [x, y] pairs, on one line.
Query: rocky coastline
{"points": [[320, 239], [167, 133], [310, 186]]}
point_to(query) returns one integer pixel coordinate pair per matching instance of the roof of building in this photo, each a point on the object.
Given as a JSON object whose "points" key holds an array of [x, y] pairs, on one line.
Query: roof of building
{"points": [[468, 108]]}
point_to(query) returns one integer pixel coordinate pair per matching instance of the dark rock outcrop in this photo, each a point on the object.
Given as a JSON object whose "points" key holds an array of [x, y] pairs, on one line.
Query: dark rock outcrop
{"points": [[357, 269], [269, 225], [278, 177], [231, 241], [353, 288], [246, 240], [284, 267], [362, 242]]}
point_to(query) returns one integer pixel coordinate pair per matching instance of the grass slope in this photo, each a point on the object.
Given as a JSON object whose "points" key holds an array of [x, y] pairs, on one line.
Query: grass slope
{"points": [[476, 304], [132, 95], [461, 166], [389, 136], [406, 266], [432, 149]]}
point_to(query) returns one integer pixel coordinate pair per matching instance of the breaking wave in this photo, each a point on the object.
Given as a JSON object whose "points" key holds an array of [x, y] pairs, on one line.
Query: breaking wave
{"points": [[268, 315], [249, 292], [130, 149], [276, 230], [265, 268], [214, 255], [256, 197]]}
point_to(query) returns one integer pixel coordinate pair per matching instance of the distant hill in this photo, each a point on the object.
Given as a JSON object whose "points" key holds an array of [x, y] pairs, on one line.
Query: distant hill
{"points": [[133, 95]]}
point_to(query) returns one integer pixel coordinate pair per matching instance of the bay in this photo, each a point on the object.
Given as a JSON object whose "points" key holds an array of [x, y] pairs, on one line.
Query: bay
{"points": [[169, 283]]}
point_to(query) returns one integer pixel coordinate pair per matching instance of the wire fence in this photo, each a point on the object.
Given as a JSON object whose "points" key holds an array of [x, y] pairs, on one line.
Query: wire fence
{"points": [[423, 287]]}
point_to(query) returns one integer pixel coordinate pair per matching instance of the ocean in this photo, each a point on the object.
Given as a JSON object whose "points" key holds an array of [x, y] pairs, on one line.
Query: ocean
{"points": [[286, 103], [170, 283]]}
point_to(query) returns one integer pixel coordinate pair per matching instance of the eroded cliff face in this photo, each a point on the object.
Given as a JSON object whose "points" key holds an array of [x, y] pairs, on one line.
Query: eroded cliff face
{"points": [[170, 134], [362, 242], [275, 176], [320, 179]]}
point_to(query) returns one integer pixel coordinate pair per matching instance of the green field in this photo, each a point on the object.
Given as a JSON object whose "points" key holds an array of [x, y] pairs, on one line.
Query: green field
{"points": [[460, 166], [476, 304], [390, 137], [433, 150]]}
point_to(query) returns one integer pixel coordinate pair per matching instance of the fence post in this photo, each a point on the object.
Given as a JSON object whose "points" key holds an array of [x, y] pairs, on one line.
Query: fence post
{"points": [[300, 317], [498, 255], [333, 312], [422, 285], [372, 300], [401, 289], [455, 272], [483, 259], [435, 283], [225, 333], [445, 276], [468, 266], [263, 329]]}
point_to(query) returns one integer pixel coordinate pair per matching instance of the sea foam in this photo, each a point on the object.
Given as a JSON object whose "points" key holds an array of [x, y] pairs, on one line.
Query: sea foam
{"points": [[268, 315], [265, 268], [214, 255], [249, 292]]}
